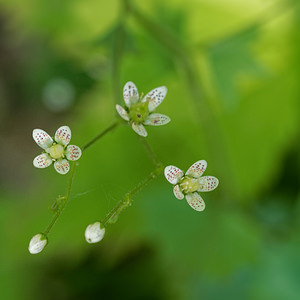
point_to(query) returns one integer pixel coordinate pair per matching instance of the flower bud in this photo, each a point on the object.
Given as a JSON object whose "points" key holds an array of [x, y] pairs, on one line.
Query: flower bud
{"points": [[37, 243], [94, 233]]}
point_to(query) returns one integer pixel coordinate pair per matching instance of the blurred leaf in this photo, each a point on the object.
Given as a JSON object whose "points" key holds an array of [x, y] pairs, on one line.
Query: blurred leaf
{"points": [[230, 58]]}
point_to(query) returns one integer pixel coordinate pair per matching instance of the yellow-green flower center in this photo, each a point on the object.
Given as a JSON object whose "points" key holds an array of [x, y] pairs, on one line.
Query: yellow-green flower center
{"points": [[56, 151], [139, 112], [189, 184]]}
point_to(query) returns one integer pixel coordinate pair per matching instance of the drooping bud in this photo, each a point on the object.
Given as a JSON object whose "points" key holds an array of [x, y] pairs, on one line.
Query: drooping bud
{"points": [[37, 243], [94, 233]]}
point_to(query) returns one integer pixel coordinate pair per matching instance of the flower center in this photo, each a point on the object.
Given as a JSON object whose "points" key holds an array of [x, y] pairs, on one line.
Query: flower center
{"points": [[57, 151], [139, 112], [189, 185]]}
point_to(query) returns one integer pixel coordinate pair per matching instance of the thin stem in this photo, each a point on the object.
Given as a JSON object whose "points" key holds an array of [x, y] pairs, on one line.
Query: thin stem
{"points": [[126, 200], [149, 151], [65, 201], [101, 134]]}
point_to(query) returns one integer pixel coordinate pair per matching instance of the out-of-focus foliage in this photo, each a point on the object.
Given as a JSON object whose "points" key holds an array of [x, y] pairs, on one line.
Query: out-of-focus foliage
{"points": [[232, 72]]}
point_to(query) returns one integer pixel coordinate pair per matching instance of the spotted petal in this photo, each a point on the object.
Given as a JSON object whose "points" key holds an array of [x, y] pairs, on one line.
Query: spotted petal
{"points": [[62, 166], [195, 201], [173, 174], [122, 112], [157, 120], [139, 129], [197, 169], [42, 138], [73, 152], [208, 183], [130, 93], [155, 97], [177, 192], [63, 135], [42, 161]]}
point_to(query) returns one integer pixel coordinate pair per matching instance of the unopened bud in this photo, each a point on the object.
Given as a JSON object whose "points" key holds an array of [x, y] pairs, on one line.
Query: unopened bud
{"points": [[37, 243], [94, 233]]}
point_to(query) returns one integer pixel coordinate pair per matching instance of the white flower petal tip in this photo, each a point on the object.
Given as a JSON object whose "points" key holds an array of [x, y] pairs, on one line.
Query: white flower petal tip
{"points": [[195, 201], [37, 243], [122, 112], [130, 93], [139, 129], [62, 166], [155, 97], [42, 138], [177, 192], [42, 161], [73, 152], [63, 135], [94, 233], [197, 169], [157, 120], [208, 183], [173, 174]]}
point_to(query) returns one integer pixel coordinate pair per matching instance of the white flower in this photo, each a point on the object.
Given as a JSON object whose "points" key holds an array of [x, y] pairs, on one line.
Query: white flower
{"points": [[94, 233], [37, 243], [190, 183], [56, 151], [139, 111]]}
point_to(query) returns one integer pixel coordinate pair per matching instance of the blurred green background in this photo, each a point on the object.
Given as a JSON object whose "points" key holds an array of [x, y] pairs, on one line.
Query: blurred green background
{"points": [[232, 69]]}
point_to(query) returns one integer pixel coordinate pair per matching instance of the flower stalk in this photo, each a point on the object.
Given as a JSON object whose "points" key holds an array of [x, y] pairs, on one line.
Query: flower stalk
{"points": [[101, 134], [64, 201], [127, 198]]}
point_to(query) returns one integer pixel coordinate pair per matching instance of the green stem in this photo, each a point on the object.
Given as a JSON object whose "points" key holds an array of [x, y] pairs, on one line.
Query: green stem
{"points": [[149, 151], [65, 201], [101, 134], [126, 200]]}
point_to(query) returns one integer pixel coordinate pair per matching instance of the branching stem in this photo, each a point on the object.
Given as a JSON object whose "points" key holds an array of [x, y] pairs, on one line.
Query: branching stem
{"points": [[127, 199]]}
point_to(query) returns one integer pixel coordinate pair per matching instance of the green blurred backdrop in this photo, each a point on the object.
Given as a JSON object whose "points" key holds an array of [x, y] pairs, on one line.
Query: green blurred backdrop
{"points": [[232, 69]]}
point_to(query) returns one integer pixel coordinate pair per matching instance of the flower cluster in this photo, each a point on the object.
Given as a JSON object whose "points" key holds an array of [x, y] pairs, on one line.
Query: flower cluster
{"points": [[139, 111], [191, 183], [56, 150]]}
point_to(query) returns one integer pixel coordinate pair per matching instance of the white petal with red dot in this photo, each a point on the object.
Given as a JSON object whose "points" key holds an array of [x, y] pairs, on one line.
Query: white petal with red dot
{"points": [[208, 183], [195, 201], [73, 152], [197, 169], [63, 135], [122, 112], [42, 161], [62, 166], [157, 120], [177, 192], [130, 93], [42, 138], [139, 129], [173, 174], [155, 97]]}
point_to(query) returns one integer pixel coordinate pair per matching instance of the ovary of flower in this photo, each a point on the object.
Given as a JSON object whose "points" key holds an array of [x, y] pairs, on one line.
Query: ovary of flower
{"points": [[189, 185], [57, 150], [139, 111]]}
